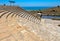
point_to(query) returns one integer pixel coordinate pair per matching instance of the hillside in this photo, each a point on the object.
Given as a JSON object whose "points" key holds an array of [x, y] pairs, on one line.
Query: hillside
{"points": [[51, 11]]}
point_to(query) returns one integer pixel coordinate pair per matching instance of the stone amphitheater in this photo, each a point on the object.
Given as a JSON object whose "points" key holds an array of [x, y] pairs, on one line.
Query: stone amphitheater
{"points": [[17, 24]]}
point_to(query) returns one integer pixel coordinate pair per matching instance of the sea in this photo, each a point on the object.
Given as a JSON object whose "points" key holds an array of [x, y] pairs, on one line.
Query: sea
{"points": [[35, 8]]}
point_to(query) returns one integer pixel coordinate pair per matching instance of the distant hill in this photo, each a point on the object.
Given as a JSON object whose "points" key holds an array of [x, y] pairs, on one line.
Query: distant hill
{"points": [[49, 11]]}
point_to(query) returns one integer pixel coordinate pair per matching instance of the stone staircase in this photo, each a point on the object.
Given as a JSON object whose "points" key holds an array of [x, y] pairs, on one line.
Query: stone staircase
{"points": [[15, 21]]}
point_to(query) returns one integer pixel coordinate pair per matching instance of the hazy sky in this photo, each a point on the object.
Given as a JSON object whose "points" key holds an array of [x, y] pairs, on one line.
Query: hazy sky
{"points": [[24, 3]]}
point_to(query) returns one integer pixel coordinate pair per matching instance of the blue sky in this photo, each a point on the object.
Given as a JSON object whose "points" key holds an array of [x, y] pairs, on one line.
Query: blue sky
{"points": [[33, 3]]}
